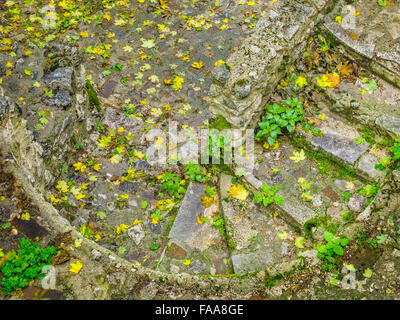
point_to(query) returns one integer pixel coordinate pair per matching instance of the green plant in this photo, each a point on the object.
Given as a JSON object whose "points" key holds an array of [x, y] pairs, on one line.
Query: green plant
{"points": [[328, 253], [219, 223], [267, 196], [193, 171], [172, 183], [210, 191], [348, 216], [390, 161], [280, 117], [24, 265], [155, 246], [369, 191], [382, 3]]}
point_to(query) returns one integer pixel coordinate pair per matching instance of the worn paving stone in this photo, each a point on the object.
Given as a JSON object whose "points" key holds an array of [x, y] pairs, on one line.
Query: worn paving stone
{"points": [[340, 147], [376, 42], [59, 79], [390, 124], [252, 235], [337, 140], [202, 243]]}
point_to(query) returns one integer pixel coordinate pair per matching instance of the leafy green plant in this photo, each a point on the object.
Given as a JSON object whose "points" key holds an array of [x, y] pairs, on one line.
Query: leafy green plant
{"points": [[172, 183], [369, 191], [219, 223], [328, 253], [390, 161], [210, 191], [193, 171], [267, 196], [382, 3], [278, 118], [24, 265]]}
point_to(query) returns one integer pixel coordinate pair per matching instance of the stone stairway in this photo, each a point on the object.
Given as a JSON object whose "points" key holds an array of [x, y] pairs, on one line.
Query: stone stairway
{"points": [[111, 194]]}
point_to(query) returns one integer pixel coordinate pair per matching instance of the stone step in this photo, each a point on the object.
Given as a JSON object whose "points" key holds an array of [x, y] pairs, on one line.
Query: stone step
{"points": [[327, 184], [338, 141], [253, 233], [199, 244], [369, 34], [377, 109]]}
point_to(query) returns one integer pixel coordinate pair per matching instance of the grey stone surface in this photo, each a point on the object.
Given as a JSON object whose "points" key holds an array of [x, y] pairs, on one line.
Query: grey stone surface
{"points": [[60, 99], [136, 233], [296, 212], [247, 262], [357, 203], [185, 224], [340, 147], [366, 165], [60, 78], [252, 236], [377, 42], [262, 61], [390, 124], [115, 119]]}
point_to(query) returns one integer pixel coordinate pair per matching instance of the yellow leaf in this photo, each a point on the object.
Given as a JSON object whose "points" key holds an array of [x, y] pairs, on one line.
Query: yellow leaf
{"points": [[156, 112], [186, 262], [76, 267], [28, 72], [80, 196], [238, 192], [97, 167], [62, 186], [329, 80], [301, 81], [338, 19], [79, 166], [26, 216], [127, 48], [353, 36], [122, 228], [84, 34], [299, 242], [198, 65], [78, 243], [298, 156], [116, 158], [207, 201]]}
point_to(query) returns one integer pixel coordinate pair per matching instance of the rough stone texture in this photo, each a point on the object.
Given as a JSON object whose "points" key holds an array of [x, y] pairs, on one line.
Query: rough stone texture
{"points": [[340, 147], [203, 243], [357, 203], [368, 109], [366, 166], [249, 76], [376, 42], [337, 140], [390, 124], [59, 79], [252, 236]]}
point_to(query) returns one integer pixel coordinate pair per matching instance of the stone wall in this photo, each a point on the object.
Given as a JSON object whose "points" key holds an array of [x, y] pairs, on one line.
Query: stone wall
{"points": [[40, 153], [243, 84]]}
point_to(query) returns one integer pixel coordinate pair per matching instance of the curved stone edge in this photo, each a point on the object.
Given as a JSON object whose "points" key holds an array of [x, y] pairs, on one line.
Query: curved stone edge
{"points": [[236, 284], [364, 54]]}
